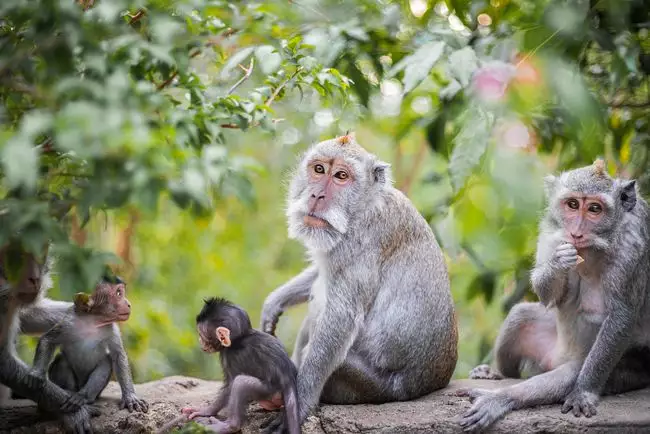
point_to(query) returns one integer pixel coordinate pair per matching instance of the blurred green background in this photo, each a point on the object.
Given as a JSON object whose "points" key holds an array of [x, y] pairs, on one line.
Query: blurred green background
{"points": [[164, 132]]}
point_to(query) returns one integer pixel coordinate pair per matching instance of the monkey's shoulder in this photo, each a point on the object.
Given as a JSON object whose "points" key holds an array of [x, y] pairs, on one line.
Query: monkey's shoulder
{"points": [[259, 355]]}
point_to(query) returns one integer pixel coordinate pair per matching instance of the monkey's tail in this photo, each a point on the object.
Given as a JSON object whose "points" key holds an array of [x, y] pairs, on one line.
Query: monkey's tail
{"points": [[291, 410], [168, 426]]}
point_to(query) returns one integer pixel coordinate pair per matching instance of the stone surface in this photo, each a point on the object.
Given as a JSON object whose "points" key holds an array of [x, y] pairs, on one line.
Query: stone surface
{"points": [[436, 413]]}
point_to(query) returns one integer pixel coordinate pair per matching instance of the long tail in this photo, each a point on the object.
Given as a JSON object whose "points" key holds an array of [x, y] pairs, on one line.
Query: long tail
{"points": [[292, 410], [168, 426]]}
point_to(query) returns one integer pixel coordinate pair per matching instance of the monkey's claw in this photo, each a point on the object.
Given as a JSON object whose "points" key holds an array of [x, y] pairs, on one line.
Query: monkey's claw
{"points": [[484, 372], [133, 403], [581, 403]]}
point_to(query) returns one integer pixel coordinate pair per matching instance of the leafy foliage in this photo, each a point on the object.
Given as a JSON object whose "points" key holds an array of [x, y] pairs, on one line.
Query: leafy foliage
{"points": [[122, 116]]}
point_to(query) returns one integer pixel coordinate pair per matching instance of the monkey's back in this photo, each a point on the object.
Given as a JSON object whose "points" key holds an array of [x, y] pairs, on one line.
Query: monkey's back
{"points": [[262, 356], [411, 326]]}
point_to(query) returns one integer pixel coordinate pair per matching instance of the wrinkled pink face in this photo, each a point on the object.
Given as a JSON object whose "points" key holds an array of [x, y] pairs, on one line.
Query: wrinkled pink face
{"points": [[326, 178], [581, 213]]}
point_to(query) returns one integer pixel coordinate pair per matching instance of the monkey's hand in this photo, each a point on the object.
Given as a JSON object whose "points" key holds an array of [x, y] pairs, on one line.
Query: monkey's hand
{"points": [[193, 413], [581, 402], [131, 402], [78, 422], [566, 256], [271, 313]]}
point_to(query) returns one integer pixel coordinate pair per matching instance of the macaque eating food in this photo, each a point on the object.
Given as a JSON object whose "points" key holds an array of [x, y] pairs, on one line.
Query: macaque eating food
{"points": [[256, 367], [91, 347]]}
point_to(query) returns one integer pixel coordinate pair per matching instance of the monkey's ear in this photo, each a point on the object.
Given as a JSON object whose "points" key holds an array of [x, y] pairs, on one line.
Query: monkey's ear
{"points": [[381, 173], [628, 195], [550, 182], [83, 302], [223, 335]]}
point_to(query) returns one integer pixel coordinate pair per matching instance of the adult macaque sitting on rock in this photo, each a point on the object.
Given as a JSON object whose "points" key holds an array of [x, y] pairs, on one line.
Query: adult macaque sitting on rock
{"points": [[381, 324]]}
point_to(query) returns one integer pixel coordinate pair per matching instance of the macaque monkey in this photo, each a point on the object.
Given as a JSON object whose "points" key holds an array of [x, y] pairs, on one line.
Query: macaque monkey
{"points": [[256, 367], [589, 334], [381, 325], [24, 280], [91, 347]]}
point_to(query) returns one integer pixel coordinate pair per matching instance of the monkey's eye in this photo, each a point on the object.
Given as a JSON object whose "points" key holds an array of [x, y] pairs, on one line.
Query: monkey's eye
{"points": [[118, 292], [341, 175], [595, 208], [319, 168], [573, 204]]}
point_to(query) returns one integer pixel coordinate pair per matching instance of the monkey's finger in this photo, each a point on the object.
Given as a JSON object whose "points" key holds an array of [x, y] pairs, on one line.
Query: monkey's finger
{"points": [[94, 410], [577, 412]]}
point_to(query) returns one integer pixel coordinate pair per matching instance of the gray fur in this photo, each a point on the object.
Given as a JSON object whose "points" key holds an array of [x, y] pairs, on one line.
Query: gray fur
{"points": [[14, 373], [86, 361], [381, 324], [589, 334]]}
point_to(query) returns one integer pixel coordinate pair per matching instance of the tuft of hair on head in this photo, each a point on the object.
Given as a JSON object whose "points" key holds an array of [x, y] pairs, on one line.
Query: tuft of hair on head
{"points": [[599, 167], [345, 139], [211, 306]]}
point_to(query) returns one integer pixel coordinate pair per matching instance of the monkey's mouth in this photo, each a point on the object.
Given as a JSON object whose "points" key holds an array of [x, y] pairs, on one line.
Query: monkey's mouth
{"points": [[314, 222], [123, 316]]}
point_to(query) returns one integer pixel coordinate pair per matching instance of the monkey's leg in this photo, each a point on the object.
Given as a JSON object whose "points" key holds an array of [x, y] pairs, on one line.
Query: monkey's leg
{"points": [[631, 372], [97, 381], [49, 398], [527, 338], [244, 389], [61, 374], [491, 405], [356, 382]]}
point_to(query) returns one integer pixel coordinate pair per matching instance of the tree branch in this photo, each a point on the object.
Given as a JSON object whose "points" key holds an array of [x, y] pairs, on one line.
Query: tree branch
{"points": [[623, 104], [247, 74], [137, 16], [278, 89]]}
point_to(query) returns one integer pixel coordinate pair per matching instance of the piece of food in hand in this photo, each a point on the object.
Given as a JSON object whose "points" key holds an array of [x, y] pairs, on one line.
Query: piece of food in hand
{"points": [[580, 260]]}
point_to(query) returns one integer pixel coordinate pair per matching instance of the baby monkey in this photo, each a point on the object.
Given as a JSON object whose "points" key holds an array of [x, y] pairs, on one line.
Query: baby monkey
{"points": [[255, 365], [91, 347]]}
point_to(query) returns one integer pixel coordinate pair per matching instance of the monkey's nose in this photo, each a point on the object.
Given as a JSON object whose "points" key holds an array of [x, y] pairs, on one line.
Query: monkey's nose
{"points": [[319, 197]]}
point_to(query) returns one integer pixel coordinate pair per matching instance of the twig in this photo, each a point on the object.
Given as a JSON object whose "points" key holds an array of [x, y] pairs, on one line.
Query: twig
{"points": [[234, 126], [277, 90], [172, 424], [246, 76], [137, 16], [622, 104]]}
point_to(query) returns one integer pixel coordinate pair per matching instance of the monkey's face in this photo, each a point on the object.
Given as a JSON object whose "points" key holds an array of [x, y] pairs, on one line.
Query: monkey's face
{"points": [[109, 303], [25, 271], [212, 339], [330, 187], [588, 207]]}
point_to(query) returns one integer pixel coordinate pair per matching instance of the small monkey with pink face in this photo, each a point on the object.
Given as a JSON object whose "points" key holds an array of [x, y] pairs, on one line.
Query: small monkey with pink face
{"points": [[91, 348]]}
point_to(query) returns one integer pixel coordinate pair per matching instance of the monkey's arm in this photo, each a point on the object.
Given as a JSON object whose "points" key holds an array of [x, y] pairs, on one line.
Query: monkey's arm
{"points": [[45, 350], [294, 292], [123, 374], [334, 332], [42, 316], [549, 278]]}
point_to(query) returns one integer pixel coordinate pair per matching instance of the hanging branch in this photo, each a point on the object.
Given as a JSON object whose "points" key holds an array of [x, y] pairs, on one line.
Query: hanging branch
{"points": [[247, 74]]}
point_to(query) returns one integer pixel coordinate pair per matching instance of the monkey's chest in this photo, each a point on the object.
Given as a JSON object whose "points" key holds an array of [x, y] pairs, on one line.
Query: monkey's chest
{"points": [[591, 303]]}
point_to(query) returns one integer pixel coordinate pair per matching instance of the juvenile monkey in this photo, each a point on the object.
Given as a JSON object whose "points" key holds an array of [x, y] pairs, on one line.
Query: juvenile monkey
{"points": [[31, 283], [590, 333], [381, 324], [91, 347], [255, 366]]}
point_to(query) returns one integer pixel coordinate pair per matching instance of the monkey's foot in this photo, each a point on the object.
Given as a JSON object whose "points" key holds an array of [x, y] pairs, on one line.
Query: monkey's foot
{"points": [[488, 407], [133, 403], [484, 372], [275, 403], [580, 402], [218, 426], [74, 403]]}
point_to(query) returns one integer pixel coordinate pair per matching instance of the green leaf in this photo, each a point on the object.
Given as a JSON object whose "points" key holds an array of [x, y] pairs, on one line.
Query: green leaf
{"points": [[20, 163], [268, 58], [418, 65], [462, 64], [469, 145]]}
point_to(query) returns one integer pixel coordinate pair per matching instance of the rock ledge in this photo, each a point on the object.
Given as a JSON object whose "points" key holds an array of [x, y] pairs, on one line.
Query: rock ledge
{"points": [[436, 413]]}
